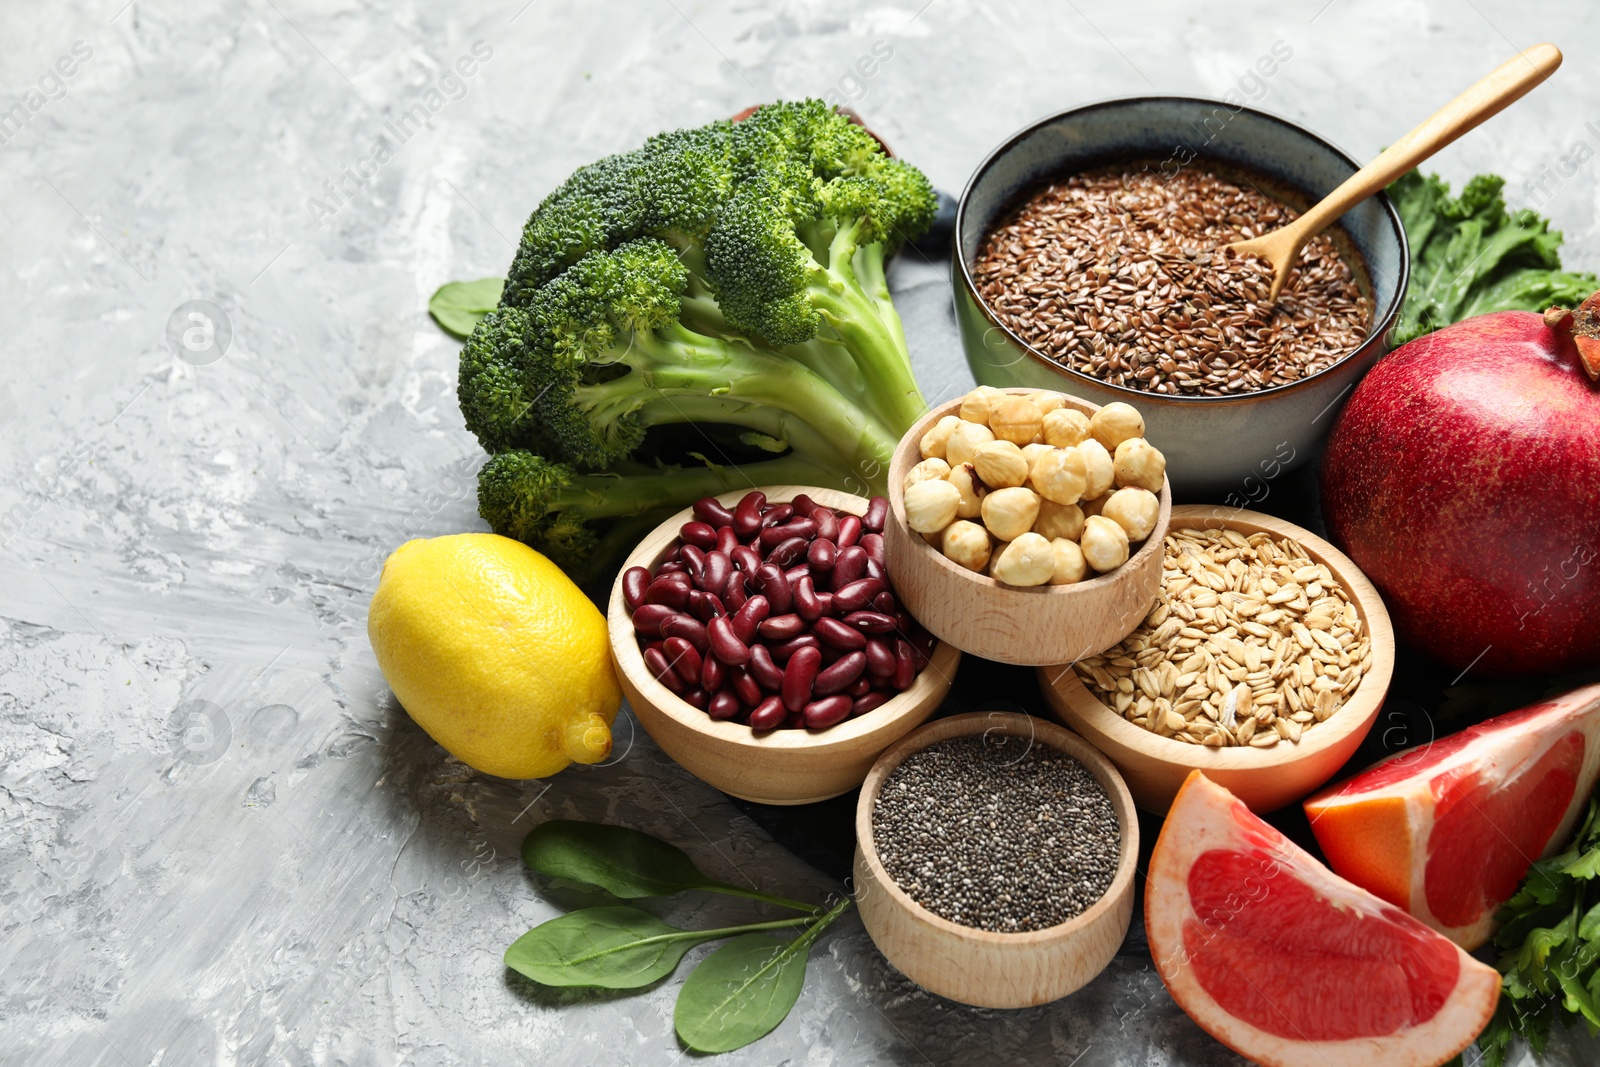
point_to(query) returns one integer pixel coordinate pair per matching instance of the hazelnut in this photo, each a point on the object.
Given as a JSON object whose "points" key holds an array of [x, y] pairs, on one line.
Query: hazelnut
{"points": [[965, 479], [1115, 423], [1059, 520], [1009, 513], [1028, 560], [933, 441], [1139, 464], [1046, 401], [966, 543], [964, 441], [1104, 545], [1059, 475], [931, 506], [1093, 507], [1000, 464], [1098, 473], [1015, 419], [976, 405], [1065, 427], [1135, 510], [1031, 453], [928, 468], [1070, 566]]}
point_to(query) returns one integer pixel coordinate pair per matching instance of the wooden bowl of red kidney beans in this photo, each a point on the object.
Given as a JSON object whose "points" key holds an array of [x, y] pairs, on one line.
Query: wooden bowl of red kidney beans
{"points": [[760, 643]]}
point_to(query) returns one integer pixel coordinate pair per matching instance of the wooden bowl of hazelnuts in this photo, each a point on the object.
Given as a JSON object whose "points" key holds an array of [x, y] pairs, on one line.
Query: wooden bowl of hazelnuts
{"points": [[1026, 525]]}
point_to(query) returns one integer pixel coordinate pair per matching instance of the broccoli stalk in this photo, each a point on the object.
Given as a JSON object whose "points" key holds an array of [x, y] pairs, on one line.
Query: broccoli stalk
{"points": [[707, 313]]}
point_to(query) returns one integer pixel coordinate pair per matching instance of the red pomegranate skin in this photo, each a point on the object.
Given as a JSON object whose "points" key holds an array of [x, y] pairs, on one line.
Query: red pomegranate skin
{"points": [[1464, 478]]}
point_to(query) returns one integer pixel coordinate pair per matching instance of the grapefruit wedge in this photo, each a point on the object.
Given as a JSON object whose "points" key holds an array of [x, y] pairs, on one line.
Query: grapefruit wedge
{"points": [[1448, 830], [1288, 964]]}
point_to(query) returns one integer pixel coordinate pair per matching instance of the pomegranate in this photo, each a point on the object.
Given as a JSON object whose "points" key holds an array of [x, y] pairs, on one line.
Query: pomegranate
{"points": [[1464, 478]]}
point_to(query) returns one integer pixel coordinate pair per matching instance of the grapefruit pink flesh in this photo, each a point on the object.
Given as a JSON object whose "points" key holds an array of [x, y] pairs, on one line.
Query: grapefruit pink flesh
{"points": [[1447, 831], [1287, 963]]}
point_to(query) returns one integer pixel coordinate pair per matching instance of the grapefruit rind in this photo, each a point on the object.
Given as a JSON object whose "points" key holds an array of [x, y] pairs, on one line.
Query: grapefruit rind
{"points": [[1205, 816]]}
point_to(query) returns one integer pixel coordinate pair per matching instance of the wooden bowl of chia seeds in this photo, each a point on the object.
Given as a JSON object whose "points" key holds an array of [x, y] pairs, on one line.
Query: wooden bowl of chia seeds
{"points": [[1082, 264], [1287, 720], [995, 859]]}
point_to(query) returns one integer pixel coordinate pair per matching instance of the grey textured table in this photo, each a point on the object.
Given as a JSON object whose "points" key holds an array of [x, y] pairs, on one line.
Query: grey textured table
{"points": [[223, 842]]}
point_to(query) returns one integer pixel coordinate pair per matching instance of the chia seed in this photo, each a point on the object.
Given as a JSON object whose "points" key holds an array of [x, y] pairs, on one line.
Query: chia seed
{"points": [[997, 833]]}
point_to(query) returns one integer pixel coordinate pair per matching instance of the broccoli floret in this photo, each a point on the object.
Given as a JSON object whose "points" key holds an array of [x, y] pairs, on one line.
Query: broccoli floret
{"points": [[705, 313]]}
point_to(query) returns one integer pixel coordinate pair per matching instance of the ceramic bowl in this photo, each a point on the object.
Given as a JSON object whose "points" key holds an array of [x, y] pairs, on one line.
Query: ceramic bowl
{"points": [[982, 967], [777, 766], [1264, 778], [1215, 446]]}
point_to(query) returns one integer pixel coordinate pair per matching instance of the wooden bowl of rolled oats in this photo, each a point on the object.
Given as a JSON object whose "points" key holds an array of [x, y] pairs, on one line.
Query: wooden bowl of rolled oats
{"points": [[1264, 663]]}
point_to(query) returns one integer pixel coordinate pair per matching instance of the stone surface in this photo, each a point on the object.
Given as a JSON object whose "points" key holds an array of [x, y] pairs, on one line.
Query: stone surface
{"points": [[223, 842]]}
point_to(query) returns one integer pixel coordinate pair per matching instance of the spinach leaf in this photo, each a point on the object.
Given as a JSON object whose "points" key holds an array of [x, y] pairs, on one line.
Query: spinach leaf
{"points": [[457, 306], [628, 863], [612, 948], [740, 992]]}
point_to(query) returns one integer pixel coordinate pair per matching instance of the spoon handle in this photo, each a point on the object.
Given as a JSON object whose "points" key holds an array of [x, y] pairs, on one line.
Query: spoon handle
{"points": [[1504, 85]]}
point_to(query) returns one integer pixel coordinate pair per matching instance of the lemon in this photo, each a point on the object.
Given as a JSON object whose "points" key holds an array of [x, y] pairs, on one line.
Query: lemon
{"points": [[495, 653]]}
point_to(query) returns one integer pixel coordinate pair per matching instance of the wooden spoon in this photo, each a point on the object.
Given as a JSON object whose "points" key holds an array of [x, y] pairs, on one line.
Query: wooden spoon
{"points": [[1505, 84]]}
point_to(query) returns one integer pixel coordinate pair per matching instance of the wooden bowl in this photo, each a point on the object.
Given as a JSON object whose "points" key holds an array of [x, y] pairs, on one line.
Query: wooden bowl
{"points": [[780, 766], [1265, 779], [981, 967], [1034, 626]]}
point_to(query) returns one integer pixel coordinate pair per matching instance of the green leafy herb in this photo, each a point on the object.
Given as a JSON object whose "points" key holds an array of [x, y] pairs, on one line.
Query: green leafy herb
{"points": [[743, 990], [627, 863], [1550, 948], [1469, 255], [611, 948], [457, 306]]}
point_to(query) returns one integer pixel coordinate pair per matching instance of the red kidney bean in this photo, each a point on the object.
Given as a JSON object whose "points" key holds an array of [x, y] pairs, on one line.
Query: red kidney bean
{"points": [[829, 711], [725, 643], [799, 676], [747, 515], [656, 663], [697, 697], [885, 603], [870, 622], [712, 674], [701, 535], [727, 540], [841, 675], [657, 645], [849, 531], [635, 580], [903, 624], [905, 670], [819, 556], [806, 604], [745, 686], [877, 570], [670, 567], [746, 559], [794, 574], [919, 659], [776, 515], [873, 543], [877, 511], [724, 705], [825, 602], [700, 607], [781, 627], [771, 582], [795, 721], [694, 561], [709, 510], [734, 593], [670, 589], [827, 521], [776, 535], [769, 714], [762, 668], [803, 504], [718, 567], [857, 594], [837, 634], [861, 686], [748, 617], [849, 564], [673, 554], [648, 619], [683, 657], [788, 551], [684, 626], [880, 658], [875, 699]]}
